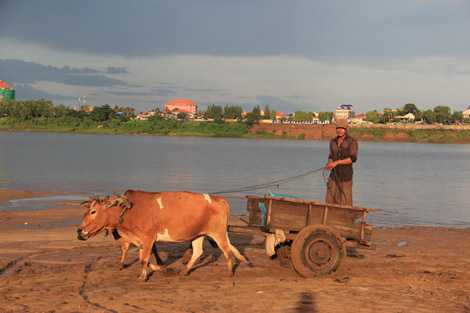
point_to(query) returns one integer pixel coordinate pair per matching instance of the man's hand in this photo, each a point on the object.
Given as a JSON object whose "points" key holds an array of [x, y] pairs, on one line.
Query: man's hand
{"points": [[330, 165]]}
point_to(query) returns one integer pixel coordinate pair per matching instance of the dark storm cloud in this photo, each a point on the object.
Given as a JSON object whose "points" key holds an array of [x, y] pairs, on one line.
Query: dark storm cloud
{"points": [[26, 92], [166, 89], [164, 92], [280, 104], [116, 70], [209, 91], [171, 89], [130, 93], [328, 30], [20, 71]]}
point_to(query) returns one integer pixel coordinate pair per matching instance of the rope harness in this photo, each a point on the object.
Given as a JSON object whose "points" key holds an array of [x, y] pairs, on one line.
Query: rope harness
{"points": [[276, 183]]}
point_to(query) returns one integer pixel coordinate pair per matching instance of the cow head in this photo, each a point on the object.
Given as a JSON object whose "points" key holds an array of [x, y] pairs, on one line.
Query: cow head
{"points": [[102, 214]]}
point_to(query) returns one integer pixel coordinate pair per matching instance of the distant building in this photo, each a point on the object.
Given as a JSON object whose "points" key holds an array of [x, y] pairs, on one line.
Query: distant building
{"points": [[145, 115], [7, 92], [466, 114], [281, 116], [359, 119], [188, 114], [345, 111], [182, 104], [405, 118]]}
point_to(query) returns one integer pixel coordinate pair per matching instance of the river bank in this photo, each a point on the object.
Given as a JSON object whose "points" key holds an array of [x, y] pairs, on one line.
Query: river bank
{"points": [[367, 132], [455, 134], [44, 268]]}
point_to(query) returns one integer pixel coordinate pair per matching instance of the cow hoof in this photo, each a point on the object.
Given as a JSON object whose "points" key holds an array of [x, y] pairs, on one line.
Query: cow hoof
{"points": [[159, 268]]}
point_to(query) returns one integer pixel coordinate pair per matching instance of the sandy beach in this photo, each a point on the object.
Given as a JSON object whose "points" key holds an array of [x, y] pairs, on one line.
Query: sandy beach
{"points": [[44, 268]]}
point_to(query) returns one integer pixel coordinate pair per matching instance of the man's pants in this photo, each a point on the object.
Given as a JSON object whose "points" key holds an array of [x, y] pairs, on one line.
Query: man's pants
{"points": [[339, 192]]}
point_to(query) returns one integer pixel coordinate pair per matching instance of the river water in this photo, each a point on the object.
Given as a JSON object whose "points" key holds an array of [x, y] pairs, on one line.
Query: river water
{"points": [[409, 183]]}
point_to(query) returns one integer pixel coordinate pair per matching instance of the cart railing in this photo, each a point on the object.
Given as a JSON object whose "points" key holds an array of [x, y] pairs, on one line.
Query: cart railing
{"points": [[292, 215]]}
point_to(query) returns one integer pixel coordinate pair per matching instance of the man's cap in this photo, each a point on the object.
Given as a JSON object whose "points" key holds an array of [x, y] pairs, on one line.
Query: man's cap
{"points": [[342, 123]]}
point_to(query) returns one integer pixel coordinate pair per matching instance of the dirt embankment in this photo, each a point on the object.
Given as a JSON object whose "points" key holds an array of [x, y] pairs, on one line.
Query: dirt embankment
{"points": [[383, 133], [296, 131]]}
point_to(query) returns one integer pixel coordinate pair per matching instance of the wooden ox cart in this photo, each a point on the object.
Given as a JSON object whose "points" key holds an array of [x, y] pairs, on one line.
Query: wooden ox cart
{"points": [[310, 236]]}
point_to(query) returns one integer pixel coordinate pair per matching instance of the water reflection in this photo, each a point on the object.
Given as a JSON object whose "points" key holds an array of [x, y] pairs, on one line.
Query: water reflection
{"points": [[39, 203], [419, 184]]}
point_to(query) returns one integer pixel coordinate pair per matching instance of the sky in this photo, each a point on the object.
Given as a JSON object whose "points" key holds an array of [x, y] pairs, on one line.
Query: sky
{"points": [[291, 55]]}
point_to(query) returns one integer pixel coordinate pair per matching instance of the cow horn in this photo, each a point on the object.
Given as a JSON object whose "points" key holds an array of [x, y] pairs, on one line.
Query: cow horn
{"points": [[87, 203], [126, 205], [124, 202], [113, 203], [121, 201]]}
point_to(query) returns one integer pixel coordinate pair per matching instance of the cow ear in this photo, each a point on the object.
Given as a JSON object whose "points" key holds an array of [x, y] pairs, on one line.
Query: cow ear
{"points": [[86, 204]]}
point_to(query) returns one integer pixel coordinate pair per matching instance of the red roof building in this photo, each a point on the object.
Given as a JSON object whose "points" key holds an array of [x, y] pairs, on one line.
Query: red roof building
{"points": [[3, 85], [182, 104], [7, 92]]}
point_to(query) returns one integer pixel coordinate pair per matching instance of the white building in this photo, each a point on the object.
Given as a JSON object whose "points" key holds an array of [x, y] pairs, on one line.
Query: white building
{"points": [[345, 111], [466, 114], [405, 118]]}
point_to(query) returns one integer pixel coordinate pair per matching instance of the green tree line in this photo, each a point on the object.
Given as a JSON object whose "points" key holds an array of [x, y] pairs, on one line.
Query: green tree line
{"points": [[42, 115], [42, 108], [440, 114]]}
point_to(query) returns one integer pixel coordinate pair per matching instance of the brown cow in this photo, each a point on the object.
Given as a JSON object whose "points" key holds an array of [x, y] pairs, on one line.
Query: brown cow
{"points": [[125, 244], [143, 218]]}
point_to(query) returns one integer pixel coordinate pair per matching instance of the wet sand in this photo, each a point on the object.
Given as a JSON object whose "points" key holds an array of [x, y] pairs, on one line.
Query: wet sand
{"points": [[44, 268]]}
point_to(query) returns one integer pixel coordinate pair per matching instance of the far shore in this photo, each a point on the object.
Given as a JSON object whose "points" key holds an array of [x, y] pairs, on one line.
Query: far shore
{"points": [[413, 133], [456, 134]]}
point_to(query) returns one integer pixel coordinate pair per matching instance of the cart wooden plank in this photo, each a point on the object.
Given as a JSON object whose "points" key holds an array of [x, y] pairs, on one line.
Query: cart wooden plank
{"points": [[292, 215], [347, 207]]}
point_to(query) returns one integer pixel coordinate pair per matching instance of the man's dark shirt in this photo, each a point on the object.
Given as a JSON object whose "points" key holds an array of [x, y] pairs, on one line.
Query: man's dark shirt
{"points": [[349, 148]]}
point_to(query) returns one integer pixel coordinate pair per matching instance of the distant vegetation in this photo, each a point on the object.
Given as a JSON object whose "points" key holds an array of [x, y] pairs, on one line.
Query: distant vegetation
{"points": [[41, 115], [117, 126], [440, 114]]}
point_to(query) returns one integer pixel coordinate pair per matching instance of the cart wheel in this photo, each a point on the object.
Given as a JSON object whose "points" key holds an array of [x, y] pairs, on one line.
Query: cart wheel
{"points": [[317, 250]]}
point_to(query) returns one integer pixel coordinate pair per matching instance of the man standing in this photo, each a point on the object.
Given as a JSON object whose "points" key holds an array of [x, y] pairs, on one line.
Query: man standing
{"points": [[343, 153]]}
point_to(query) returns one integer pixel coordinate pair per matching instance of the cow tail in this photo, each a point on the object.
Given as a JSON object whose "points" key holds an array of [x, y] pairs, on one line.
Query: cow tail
{"points": [[234, 250], [227, 207], [227, 210]]}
